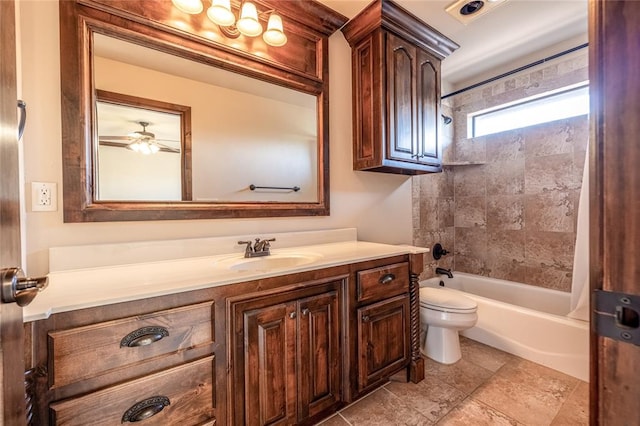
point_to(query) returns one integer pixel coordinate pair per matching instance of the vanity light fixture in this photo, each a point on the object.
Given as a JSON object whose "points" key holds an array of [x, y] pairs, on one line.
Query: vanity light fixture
{"points": [[191, 7], [248, 23]]}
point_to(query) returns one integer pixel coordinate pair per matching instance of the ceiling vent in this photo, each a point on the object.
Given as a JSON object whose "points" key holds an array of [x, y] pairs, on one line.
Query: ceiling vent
{"points": [[466, 11]]}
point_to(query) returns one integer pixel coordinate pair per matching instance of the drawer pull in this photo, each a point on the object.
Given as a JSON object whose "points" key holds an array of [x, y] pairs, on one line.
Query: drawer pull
{"points": [[305, 311], [365, 318], [386, 278], [143, 336], [145, 409]]}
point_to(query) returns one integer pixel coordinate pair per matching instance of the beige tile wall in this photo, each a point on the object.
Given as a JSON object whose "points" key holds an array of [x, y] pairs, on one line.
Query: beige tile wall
{"points": [[513, 216]]}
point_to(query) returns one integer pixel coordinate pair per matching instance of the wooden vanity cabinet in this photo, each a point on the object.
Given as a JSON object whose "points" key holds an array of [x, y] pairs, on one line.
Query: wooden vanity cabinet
{"points": [[396, 90], [290, 349], [287, 354]]}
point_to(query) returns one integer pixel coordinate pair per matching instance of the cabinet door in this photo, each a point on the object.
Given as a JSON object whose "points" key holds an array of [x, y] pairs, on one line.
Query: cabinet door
{"points": [[269, 365], [319, 352], [428, 108], [401, 91], [286, 354], [383, 339]]}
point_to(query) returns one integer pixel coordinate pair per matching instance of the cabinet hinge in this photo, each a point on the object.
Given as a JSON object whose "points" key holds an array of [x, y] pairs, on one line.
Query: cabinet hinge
{"points": [[617, 316]]}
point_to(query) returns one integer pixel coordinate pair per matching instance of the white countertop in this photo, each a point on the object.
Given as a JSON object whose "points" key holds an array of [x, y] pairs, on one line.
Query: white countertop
{"points": [[83, 288]]}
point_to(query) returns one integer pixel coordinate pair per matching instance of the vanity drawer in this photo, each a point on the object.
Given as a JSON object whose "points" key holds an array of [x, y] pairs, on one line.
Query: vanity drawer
{"points": [[85, 352], [380, 283], [180, 395]]}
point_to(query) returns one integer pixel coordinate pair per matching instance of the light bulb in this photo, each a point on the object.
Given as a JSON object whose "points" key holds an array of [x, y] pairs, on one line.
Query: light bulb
{"points": [[191, 7], [144, 148], [248, 23], [154, 148], [220, 13], [274, 36], [135, 146]]}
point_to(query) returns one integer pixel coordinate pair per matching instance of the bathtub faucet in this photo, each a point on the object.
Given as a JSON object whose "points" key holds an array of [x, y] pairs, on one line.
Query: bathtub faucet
{"points": [[443, 271]]}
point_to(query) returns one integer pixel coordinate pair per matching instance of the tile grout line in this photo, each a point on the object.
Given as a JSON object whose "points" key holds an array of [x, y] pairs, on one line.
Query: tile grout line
{"points": [[408, 406], [471, 394], [339, 412], [516, 358], [445, 413], [343, 418], [574, 390]]}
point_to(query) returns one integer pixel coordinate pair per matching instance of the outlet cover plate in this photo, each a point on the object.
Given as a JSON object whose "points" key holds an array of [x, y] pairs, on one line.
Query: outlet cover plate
{"points": [[44, 196]]}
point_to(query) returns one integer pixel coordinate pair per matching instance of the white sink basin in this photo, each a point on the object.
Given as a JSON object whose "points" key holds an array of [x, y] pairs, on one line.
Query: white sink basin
{"points": [[267, 263]]}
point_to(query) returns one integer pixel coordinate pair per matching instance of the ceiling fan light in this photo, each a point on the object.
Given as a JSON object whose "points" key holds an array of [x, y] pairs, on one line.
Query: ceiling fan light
{"points": [[248, 23], [220, 13], [134, 146], [191, 7], [144, 148], [154, 148], [275, 36]]}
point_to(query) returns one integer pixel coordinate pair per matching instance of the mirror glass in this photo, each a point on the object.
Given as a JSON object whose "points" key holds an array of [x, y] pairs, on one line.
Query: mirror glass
{"points": [[244, 133], [141, 149]]}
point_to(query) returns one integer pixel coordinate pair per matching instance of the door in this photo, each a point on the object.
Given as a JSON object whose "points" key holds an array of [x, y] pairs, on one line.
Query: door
{"points": [[615, 204], [12, 411], [383, 339], [319, 355]]}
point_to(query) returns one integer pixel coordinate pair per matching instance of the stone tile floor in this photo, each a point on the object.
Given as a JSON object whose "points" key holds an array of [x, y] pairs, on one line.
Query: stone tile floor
{"points": [[486, 387]]}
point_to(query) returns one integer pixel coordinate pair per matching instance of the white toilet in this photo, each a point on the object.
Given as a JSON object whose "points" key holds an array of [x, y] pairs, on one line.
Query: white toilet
{"points": [[445, 312]]}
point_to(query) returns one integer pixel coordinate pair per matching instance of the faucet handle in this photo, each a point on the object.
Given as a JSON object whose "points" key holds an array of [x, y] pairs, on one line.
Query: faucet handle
{"points": [[248, 243], [262, 245]]}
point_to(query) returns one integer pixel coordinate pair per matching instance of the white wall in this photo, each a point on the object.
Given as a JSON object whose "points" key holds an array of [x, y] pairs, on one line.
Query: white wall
{"points": [[379, 205], [129, 175]]}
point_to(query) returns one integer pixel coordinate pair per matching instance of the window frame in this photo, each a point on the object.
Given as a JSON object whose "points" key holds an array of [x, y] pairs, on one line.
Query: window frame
{"points": [[471, 117]]}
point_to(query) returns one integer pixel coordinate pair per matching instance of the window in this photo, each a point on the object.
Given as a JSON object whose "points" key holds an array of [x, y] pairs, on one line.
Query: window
{"points": [[556, 105]]}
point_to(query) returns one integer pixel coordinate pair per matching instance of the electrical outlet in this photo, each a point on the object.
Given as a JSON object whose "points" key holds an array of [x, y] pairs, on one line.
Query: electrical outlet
{"points": [[44, 197]]}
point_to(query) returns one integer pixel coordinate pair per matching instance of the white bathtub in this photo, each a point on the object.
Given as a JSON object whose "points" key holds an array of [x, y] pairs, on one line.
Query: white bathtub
{"points": [[525, 320]]}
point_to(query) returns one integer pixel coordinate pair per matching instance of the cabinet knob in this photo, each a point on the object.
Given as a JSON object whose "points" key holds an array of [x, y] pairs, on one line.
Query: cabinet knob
{"points": [[292, 315], [145, 409], [365, 318], [305, 311]]}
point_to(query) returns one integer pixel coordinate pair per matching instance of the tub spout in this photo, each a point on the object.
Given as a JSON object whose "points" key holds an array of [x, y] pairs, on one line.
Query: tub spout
{"points": [[443, 271]]}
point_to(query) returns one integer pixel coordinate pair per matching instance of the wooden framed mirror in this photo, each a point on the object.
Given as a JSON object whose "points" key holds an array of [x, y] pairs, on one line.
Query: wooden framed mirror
{"points": [[258, 140]]}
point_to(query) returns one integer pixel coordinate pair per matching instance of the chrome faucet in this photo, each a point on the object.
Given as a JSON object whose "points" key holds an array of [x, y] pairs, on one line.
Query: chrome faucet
{"points": [[443, 271], [260, 247]]}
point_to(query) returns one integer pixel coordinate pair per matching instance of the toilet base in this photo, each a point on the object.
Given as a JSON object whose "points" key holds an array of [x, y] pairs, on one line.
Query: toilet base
{"points": [[442, 345]]}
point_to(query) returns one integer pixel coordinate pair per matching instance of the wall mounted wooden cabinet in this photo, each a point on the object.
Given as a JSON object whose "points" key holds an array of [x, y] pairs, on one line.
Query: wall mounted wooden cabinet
{"points": [[396, 90]]}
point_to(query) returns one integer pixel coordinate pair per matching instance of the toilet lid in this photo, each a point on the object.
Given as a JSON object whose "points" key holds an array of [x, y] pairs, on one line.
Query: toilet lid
{"points": [[443, 299]]}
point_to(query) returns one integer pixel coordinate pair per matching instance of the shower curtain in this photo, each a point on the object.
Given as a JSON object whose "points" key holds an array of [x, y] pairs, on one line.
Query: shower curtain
{"points": [[580, 281]]}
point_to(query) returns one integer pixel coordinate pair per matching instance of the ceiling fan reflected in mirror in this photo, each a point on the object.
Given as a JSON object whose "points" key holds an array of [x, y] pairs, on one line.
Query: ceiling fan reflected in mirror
{"points": [[140, 141]]}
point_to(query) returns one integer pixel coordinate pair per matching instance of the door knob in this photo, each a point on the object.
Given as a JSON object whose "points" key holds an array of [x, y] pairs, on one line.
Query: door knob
{"points": [[17, 288]]}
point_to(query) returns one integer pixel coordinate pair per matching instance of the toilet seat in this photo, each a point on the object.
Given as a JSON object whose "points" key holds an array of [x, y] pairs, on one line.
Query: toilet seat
{"points": [[444, 300]]}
